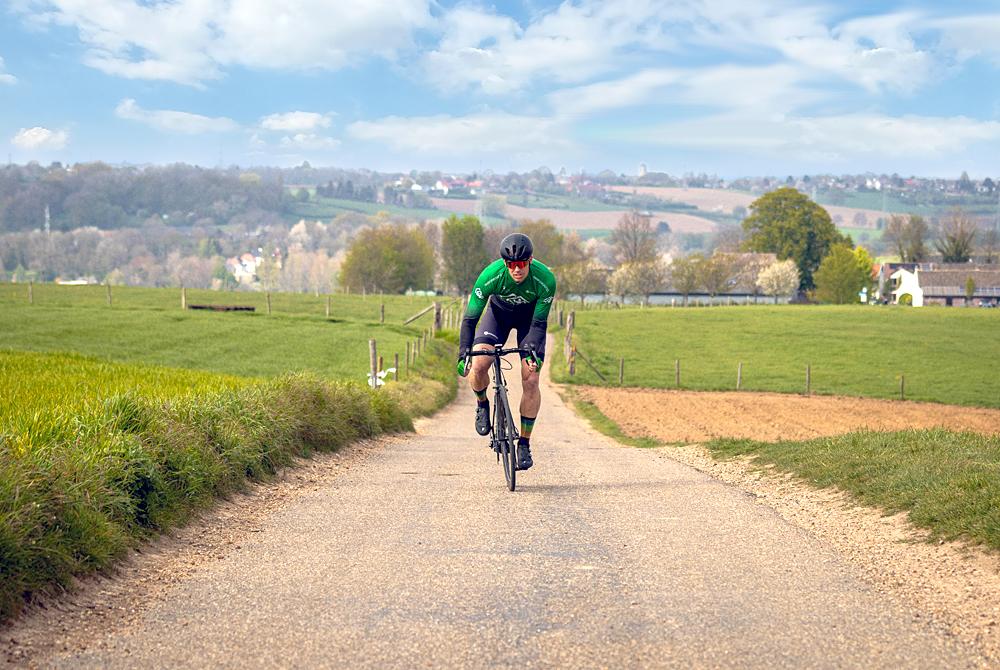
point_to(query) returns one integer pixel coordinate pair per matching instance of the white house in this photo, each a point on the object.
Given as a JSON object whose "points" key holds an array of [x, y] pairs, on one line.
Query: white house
{"points": [[907, 283]]}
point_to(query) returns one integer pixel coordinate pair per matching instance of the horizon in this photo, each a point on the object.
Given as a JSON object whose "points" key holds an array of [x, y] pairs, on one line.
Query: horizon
{"points": [[781, 88]]}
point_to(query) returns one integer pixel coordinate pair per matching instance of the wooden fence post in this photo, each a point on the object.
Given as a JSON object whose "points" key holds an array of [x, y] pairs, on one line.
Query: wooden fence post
{"points": [[739, 376], [328, 307], [381, 365], [184, 298], [373, 356], [808, 379], [395, 367], [572, 360], [902, 387], [677, 372], [31, 292], [107, 285], [381, 313], [621, 371], [269, 304], [437, 319], [407, 358]]}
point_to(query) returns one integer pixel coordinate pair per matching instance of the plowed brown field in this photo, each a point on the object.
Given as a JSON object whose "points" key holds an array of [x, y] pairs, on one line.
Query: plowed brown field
{"points": [[687, 416], [569, 220], [721, 200]]}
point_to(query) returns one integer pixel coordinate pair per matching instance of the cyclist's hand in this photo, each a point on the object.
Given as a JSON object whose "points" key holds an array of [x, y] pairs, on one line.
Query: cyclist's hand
{"points": [[534, 363], [464, 365]]}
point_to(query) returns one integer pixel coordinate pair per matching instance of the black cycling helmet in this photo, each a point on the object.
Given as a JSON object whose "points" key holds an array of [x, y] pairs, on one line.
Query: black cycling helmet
{"points": [[516, 247]]}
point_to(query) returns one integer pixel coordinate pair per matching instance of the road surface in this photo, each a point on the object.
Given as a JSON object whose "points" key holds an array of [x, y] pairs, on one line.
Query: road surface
{"points": [[605, 556]]}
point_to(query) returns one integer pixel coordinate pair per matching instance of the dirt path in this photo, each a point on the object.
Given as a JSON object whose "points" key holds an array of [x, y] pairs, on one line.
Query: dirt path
{"points": [[690, 416], [416, 555]]}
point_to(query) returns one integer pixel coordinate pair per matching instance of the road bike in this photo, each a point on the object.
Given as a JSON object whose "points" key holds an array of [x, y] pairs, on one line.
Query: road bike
{"points": [[503, 435]]}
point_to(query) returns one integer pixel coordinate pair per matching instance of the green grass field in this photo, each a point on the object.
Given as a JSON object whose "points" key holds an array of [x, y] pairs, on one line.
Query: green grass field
{"points": [[945, 354], [117, 422]]}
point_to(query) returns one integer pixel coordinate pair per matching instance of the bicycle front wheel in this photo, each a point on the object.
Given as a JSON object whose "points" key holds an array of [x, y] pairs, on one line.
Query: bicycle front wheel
{"points": [[506, 441]]}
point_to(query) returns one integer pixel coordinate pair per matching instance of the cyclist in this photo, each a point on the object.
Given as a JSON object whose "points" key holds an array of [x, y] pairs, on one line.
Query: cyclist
{"points": [[513, 292]]}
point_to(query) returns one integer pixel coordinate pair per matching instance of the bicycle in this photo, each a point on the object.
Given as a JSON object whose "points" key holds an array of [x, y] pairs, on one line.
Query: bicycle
{"points": [[503, 435]]}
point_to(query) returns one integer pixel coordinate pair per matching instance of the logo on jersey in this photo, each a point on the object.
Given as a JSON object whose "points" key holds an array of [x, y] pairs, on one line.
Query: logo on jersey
{"points": [[547, 300], [479, 293], [513, 299]]}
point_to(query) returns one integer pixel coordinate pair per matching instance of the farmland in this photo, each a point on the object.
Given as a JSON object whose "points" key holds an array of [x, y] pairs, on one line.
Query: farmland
{"points": [[853, 350], [119, 421]]}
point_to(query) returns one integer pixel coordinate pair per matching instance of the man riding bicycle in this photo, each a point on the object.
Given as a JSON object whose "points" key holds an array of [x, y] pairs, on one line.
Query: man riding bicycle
{"points": [[515, 292]]}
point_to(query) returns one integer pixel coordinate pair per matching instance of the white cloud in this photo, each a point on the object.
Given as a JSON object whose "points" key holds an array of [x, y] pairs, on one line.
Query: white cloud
{"points": [[773, 89], [296, 121], [478, 133], [969, 36], [309, 142], [6, 78], [192, 41], [40, 138], [173, 121], [828, 137], [571, 44]]}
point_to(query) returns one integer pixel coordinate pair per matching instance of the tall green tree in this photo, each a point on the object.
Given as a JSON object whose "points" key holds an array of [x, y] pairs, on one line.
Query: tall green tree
{"points": [[462, 251], [388, 259], [546, 240], [840, 276], [787, 223]]}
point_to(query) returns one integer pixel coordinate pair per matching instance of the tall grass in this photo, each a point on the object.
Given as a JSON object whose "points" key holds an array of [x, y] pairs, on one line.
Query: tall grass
{"points": [[96, 457]]}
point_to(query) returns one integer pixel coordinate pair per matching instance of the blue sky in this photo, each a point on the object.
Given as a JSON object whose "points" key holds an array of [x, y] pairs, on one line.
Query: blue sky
{"points": [[721, 86]]}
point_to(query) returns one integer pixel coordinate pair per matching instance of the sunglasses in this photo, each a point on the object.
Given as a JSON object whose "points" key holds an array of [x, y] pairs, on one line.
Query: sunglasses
{"points": [[515, 265]]}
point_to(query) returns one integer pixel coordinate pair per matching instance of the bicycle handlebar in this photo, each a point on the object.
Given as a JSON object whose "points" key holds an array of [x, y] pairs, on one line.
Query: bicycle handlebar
{"points": [[503, 352]]}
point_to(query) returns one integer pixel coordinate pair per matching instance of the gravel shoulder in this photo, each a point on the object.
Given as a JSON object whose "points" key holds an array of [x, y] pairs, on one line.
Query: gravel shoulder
{"points": [[954, 585]]}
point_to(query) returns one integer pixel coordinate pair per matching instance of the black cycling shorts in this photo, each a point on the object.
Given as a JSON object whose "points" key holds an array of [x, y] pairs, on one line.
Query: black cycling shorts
{"points": [[496, 323]]}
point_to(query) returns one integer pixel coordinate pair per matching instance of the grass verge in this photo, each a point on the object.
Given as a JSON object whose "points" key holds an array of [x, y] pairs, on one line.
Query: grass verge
{"points": [[97, 456], [947, 482]]}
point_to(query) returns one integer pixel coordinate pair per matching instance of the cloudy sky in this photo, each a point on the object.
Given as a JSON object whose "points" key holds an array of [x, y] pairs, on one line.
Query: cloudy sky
{"points": [[724, 86]]}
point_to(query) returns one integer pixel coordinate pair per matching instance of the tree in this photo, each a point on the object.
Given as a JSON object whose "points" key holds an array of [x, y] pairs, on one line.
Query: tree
{"points": [[494, 205], [546, 240], [780, 278], [957, 238], [462, 251], [717, 273], [787, 223], [389, 259], [634, 238], [639, 279], [907, 236], [581, 278], [865, 264], [970, 289], [840, 278], [990, 243], [685, 274]]}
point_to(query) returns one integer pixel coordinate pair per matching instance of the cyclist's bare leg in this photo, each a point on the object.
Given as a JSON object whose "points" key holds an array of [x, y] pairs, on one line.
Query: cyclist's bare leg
{"points": [[479, 377], [531, 396]]}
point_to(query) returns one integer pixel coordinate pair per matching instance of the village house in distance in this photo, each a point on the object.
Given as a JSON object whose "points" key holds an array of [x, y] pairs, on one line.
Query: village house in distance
{"points": [[950, 284]]}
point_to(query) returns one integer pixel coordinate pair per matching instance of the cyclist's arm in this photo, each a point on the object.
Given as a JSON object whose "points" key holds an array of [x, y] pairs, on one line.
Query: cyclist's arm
{"points": [[540, 318], [477, 304]]}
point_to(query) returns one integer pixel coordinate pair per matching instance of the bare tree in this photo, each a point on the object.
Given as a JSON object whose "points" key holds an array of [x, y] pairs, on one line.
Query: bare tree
{"points": [[957, 237], [990, 243], [908, 236], [634, 238], [639, 279]]}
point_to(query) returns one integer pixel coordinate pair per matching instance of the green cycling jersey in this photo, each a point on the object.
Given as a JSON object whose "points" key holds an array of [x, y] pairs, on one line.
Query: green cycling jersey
{"points": [[539, 287]]}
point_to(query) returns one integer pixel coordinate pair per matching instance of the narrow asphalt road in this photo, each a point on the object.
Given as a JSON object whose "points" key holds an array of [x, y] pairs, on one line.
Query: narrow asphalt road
{"points": [[606, 556]]}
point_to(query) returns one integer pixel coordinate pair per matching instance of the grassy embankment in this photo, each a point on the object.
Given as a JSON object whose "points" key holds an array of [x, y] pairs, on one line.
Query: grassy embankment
{"points": [[95, 455], [948, 482]]}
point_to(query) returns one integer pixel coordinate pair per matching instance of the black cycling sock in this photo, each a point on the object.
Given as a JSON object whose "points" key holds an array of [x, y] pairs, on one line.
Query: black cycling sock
{"points": [[524, 441], [481, 397]]}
